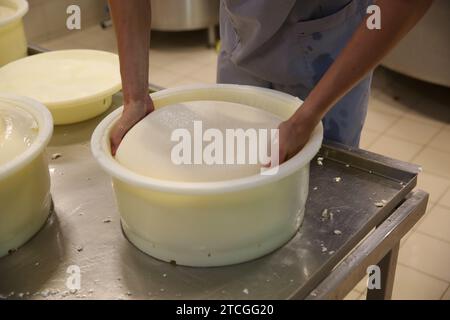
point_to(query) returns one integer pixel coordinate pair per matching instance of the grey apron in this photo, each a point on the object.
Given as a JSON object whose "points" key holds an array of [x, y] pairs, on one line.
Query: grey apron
{"points": [[288, 45]]}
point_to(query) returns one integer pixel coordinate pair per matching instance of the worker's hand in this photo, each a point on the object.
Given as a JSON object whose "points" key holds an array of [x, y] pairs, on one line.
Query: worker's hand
{"points": [[132, 114], [293, 136]]}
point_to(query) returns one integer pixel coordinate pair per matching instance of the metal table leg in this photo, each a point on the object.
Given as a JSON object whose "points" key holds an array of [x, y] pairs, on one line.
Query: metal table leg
{"points": [[379, 248], [212, 36]]}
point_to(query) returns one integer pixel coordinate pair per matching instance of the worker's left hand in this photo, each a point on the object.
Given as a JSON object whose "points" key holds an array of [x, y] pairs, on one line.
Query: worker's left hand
{"points": [[293, 137]]}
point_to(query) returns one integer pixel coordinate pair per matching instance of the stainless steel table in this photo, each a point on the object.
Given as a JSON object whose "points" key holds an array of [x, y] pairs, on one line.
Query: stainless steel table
{"points": [[324, 260]]}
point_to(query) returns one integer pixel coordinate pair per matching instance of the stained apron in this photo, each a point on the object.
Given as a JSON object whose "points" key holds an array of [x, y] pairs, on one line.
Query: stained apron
{"points": [[288, 45]]}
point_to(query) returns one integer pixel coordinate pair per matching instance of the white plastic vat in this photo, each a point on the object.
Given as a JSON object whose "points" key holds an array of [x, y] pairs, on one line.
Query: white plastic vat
{"points": [[211, 223]]}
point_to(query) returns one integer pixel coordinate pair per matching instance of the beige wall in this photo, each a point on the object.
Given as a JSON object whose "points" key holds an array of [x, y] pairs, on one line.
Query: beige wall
{"points": [[46, 19], [424, 52]]}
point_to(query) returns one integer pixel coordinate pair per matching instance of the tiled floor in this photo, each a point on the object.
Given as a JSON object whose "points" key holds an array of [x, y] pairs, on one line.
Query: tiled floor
{"points": [[407, 120]]}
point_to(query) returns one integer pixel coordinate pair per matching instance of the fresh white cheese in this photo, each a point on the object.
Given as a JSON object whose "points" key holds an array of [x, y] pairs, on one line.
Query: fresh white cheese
{"points": [[18, 129], [199, 141]]}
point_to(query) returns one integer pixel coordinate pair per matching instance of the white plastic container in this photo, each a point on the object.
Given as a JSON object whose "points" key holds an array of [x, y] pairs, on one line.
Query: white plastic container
{"points": [[25, 182], [13, 43], [75, 85], [212, 223]]}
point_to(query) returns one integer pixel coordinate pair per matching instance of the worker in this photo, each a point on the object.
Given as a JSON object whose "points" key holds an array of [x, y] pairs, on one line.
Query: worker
{"points": [[322, 51]]}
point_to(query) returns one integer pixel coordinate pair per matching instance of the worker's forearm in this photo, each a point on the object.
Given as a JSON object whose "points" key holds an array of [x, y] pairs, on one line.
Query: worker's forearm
{"points": [[363, 52], [132, 20]]}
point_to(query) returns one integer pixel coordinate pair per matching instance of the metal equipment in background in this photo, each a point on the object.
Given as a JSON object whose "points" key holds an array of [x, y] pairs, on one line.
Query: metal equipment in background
{"points": [[186, 15], [182, 15]]}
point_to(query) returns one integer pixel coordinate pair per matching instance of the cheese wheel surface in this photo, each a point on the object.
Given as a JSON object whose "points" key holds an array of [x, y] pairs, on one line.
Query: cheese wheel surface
{"points": [[155, 145]]}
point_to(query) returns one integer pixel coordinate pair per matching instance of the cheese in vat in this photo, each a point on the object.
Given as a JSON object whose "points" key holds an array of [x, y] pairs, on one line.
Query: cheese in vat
{"points": [[148, 148], [18, 129]]}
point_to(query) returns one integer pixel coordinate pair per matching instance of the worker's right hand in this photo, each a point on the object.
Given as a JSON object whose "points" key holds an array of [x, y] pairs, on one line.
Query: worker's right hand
{"points": [[132, 114], [294, 135]]}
